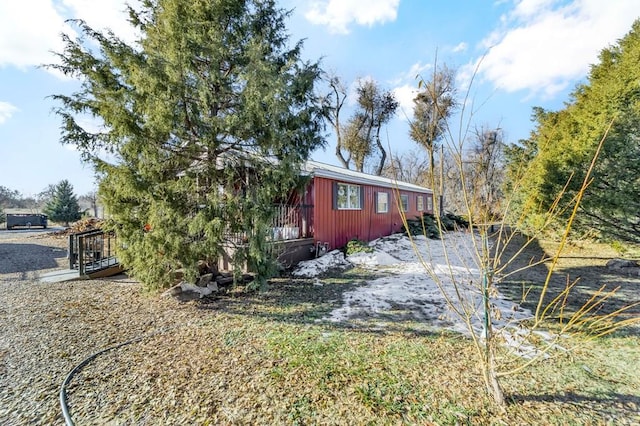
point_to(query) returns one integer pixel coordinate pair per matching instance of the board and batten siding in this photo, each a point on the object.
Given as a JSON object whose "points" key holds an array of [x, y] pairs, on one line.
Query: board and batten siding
{"points": [[337, 227]]}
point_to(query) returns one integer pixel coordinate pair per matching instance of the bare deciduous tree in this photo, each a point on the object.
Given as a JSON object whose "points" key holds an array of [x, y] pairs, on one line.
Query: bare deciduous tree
{"points": [[434, 105], [91, 198], [333, 103], [376, 107], [486, 172], [411, 167], [358, 140], [475, 172]]}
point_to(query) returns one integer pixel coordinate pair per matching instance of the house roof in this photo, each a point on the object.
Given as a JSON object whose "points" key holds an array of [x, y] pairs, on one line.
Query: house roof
{"points": [[315, 168]]}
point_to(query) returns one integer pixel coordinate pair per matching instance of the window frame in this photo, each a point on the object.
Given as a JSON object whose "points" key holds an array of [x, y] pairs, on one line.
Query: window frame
{"points": [[429, 204], [349, 196], [404, 199], [386, 205], [420, 203]]}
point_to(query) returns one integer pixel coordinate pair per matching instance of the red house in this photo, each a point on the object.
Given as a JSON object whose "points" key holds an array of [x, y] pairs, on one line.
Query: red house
{"points": [[339, 205]]}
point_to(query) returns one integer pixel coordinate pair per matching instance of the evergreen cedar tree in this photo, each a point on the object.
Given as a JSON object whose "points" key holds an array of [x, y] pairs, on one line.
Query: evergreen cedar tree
{"points": [[209, 117], [563, 143], [63, 206]]}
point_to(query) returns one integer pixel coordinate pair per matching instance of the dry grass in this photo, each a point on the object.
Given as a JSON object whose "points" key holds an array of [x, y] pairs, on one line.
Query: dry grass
{"points": [[270, 359], [266, 359], [582, 263]]}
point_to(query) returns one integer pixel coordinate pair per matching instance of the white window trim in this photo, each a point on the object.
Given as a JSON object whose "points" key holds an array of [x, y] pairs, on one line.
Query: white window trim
{"points": [[378, 210], [349, 188], [420, 203], [402, 198]]}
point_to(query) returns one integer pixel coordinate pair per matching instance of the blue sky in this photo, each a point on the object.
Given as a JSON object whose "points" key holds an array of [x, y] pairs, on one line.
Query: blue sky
{"points": [[531, 53]]}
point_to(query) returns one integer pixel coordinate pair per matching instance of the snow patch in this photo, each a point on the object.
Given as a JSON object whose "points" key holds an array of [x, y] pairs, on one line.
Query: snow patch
{"points": [[377, 258], [435, 281], [334, 260]]}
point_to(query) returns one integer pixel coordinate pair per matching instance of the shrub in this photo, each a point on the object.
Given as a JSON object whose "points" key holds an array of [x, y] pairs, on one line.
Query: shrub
{"points": [[357, 246], [428, 225], [452, 221]]}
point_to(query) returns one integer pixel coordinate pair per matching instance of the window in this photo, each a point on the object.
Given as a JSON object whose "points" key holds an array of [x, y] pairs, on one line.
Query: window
{"points": [[348, 197], [430, 204], [404, 201], [420, 203], [382, 202]]}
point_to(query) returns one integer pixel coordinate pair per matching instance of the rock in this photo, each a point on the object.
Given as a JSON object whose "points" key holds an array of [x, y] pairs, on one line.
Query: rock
{"points": [[188, 287], [224, 281], [185, 291], [173, 291], [205, 280], [621, 263]]}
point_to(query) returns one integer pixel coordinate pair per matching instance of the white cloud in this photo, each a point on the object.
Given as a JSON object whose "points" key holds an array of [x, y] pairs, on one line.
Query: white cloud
{"points": [[460, 47], [30, 30], [6, 111], [404, 95], [105, 14], [406, 87], [529, 8], [545, 45], [416, 70], [339, 14], [414, 74]]}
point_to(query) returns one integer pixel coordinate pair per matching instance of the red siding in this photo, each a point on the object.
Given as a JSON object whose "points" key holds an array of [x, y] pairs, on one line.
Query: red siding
{"points": [[337, 227]]}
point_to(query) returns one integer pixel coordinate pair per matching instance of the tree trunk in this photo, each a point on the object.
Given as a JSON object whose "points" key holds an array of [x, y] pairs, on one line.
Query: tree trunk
{"points": [[383, 154], [489, 359], [431, 181], [491, 378], [344, 162]]}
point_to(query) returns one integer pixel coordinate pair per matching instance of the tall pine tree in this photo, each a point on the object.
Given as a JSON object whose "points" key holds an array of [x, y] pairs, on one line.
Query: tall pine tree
{"points": [[63, 205], [209, 117], [562, 145]]}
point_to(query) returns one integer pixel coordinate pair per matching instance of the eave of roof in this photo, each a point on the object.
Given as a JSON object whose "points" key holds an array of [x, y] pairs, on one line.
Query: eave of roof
{"points": [[315, 168]]}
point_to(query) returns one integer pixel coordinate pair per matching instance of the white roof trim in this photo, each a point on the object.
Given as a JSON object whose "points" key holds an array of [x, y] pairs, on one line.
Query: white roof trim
{"points": [[315, 168]]}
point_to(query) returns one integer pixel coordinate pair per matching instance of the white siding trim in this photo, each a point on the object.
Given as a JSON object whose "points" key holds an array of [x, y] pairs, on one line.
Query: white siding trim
{"points": [[329, 171]]}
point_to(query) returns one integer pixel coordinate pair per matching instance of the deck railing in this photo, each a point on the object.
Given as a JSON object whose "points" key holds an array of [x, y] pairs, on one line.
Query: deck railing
{"points": [[290, 222], [91, 251]]}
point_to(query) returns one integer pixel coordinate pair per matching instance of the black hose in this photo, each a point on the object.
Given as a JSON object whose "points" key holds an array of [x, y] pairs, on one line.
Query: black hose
{"points": [[77, 368]]}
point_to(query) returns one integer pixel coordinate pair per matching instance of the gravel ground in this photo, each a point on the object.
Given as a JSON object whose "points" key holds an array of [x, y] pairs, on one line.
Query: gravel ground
{"points": [[47, 329], [214, 366]]}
